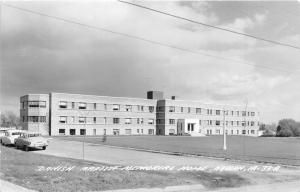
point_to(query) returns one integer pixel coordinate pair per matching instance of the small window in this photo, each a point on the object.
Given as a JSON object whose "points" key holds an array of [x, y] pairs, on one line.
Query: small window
{"points": [[171, 109], [218, 131], [151, 109], [82, 105], [95, 120], [63, 104], [95, 106], [116, 107], [218, 123], [252, 132], [198, 110], [116, 120], [128, 108], [82, 120], [61, 131], [128, 121], [73, 105], [151, 121], [142, 108], [181, 109], [218, 112], [171, 121], [189, 110], [252, 113], [63, 119], [244, 132], [128, 131]]}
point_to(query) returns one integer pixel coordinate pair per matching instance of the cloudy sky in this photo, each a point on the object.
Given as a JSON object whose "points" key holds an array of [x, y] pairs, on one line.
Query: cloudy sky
{"points": [[42, 55]]}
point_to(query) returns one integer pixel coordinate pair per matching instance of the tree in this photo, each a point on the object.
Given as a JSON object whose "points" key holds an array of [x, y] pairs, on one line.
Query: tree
{"points": [[288, 128], [9, 119]]}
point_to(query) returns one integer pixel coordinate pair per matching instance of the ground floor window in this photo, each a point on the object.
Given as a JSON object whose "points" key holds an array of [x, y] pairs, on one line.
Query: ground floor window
{"points": [[94, 132], [218, 131], [62, 131], [104, 132], [82, 131], [244, 132], [128, 131], [231, 132], [151, 131], [171, 131], [116, 132], [252, 132], [138, 131], [72, 131]]}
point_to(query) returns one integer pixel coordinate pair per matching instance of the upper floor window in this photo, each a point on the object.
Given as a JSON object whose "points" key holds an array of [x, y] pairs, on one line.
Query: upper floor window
{"points": [[95, 106], [140, 120], [36, 119], [181, 109], [172, 121], [232, 113], [41, 104], [189, 109], [218, 123], [198, 110], [252, 123], [252, 113], [82, 119], [237, 113], [116, 120], [151, 121], [63, 104], [95, 119], [171, 109], [128, 121], [116, 107], [63, 119], [142, 108], [244, 113], [82, 105], [128, 108], [151, 109], [73, 105], [218, 112]]}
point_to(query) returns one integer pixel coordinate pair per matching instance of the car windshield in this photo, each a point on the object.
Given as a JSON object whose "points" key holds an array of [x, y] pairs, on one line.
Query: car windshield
{"points": [[16, 133]]}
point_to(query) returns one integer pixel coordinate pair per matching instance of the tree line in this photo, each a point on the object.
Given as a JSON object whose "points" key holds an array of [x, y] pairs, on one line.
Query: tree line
{"points": [[10, 119], [284, 128]]}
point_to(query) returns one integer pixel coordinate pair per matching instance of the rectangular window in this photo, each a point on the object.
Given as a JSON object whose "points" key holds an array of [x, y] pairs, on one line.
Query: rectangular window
{"points": [[161, 109], [252, 131], [82, 105], [244, 132], [94, 131], [218, 131], [105, 106], [142, 108], [231, 123], [137, 131], [189, 110], [33, 119], [63, 119], [116, 120], [171, 121], [237, 123], [73, 105], [151, 121], [82, 131], [232, 113], [116, 131], [199, 122], [116, 107], [151, 131], [61, 131], [95, 120], [82, 120], [42, 119], [140, 120], [218, 123], [151, 109], [128, 131], [63, 104], [95, 106], [72, 119], [181, 109], [252, 113], [128, 121], [35, 104], [171, 109], [237, 113], [244, 113], [128, 108], [243, 123], [218, 112], [72, 131], [198, 110], [252, 123]]}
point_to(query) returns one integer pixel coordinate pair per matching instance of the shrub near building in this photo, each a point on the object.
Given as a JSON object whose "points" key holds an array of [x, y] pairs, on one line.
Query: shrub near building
{"points": [[288, 128]]}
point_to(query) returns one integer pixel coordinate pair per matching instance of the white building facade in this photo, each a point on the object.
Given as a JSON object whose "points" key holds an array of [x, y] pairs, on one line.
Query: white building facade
{"points": [[77, 114]]}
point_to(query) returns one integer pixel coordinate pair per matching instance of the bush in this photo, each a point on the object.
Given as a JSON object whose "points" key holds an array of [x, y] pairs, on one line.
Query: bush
{"points": [[288, 128]]}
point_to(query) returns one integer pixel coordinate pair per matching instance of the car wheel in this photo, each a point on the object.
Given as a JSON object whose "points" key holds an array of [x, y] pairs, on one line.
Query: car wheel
{"points": [[44, 148]]}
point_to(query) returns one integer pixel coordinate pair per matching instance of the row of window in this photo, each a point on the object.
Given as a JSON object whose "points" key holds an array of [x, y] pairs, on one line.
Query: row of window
{"points": [[213, 122], [33, 104], [103, 120], [218, 132], [34, 119], [172, 109], [115, 107], [115, 132]]}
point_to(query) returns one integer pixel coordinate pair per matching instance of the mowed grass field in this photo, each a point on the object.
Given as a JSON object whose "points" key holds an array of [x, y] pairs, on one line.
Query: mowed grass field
{"points": [[260, 149], [21, 168]]}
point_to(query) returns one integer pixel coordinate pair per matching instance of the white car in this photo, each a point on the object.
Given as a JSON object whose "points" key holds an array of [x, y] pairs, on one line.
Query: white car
{"points": [[10, 136]]}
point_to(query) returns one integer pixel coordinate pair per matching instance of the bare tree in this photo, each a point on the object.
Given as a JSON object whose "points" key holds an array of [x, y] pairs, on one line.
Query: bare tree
{"points": [[9, 119]]}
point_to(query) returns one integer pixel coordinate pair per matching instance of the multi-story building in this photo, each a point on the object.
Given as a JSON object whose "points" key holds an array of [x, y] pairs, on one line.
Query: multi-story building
{"points": [[76, 114]]}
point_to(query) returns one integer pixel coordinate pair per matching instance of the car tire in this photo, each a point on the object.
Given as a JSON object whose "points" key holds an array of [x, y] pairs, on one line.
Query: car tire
{"points": [[44, 148], [25, 148]]}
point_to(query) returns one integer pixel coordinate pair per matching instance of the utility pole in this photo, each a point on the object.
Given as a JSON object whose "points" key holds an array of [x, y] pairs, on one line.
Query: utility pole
{"points": [[224, 131]]}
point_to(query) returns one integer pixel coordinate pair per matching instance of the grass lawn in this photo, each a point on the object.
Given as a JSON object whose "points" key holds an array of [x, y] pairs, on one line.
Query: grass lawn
{"points": [[20, 167], [262, 149]]}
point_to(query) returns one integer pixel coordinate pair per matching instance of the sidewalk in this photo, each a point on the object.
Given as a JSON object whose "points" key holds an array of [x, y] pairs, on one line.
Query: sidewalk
{"points": [[6, 186]]}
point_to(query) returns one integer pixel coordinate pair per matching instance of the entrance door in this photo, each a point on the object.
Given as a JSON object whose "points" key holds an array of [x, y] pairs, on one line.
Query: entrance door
{"points": [[82, 131]]}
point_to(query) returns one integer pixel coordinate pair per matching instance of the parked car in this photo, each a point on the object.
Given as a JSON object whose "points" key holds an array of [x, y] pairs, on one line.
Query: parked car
{"points": [[31, 140], [10, 136]]}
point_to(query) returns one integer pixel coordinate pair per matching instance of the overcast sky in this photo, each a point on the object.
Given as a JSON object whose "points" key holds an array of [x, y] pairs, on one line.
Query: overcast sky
{"points": [[42, 55]]}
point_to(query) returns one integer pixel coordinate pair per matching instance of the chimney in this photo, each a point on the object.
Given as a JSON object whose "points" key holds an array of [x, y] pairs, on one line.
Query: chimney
{"points": [[173, 97]]}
